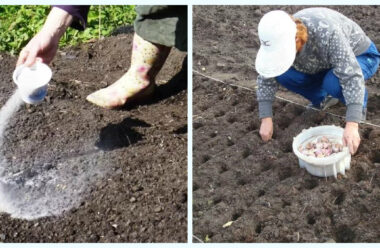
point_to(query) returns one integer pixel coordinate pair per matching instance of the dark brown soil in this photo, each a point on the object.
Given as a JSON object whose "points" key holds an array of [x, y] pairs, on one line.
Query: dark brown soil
{"points": [[142, 195], [259, 186]]}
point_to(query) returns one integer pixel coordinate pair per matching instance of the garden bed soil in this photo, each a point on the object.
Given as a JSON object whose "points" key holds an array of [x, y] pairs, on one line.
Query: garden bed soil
{"points": [[139, 190], [259, 186]]}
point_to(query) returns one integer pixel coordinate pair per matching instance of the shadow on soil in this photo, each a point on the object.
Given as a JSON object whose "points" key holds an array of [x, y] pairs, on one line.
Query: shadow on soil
{"points": [[114, 136]]}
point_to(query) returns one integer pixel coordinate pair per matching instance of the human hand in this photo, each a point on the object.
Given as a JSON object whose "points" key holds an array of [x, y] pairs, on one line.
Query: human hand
{"points": [[351, 137], [266, 128], [43, 46]]}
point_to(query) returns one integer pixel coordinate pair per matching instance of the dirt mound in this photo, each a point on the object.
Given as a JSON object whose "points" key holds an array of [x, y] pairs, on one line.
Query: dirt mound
{"points": [[259, 186], [131, 162]]}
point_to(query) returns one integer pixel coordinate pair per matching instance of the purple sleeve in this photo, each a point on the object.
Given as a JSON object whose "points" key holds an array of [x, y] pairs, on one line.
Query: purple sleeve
{"points": [[79, 12]]}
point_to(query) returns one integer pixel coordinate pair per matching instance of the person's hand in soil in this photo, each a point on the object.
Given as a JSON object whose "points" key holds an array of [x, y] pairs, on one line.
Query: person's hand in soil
{"points": [[43, 46], [266, 129], [351, 137]]}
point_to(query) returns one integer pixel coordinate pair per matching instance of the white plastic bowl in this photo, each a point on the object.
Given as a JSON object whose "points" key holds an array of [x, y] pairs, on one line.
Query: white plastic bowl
{"points": [[32, 82], [327, 166]]}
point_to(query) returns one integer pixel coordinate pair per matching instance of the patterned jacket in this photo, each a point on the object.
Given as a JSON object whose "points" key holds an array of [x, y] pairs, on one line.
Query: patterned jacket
{"points": [[334, 41]]}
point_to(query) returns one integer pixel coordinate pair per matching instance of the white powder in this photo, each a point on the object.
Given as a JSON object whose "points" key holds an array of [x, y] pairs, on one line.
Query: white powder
{"points": [[7, 111], [32, 190]]}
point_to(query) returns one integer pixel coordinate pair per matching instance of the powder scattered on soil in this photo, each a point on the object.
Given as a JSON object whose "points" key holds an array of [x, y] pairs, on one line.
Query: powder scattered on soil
{"points": [[40, 189]]}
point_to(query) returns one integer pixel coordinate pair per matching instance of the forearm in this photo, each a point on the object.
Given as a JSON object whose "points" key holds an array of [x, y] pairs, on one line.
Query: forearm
{"points": [[57, 22], [353, 92], [354, 113], [265, 109], [266, 91], [352, 124], [79, 14], [347, 69]]}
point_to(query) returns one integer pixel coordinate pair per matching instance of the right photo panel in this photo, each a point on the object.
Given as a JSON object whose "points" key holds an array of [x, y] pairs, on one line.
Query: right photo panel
{"points": [[286, 124]]}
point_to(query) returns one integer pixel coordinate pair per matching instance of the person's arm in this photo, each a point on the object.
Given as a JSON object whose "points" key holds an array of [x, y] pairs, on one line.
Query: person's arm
{"points": [[57, 22], [43, 46], [79, 14], [266, 90], [347, 69]]}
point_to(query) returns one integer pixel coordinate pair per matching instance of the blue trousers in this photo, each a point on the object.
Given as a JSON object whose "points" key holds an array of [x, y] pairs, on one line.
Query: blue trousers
{"points": [[315, 87]]}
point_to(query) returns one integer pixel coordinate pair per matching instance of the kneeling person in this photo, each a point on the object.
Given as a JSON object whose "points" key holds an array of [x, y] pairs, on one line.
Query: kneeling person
{"points": [[319, 54]]}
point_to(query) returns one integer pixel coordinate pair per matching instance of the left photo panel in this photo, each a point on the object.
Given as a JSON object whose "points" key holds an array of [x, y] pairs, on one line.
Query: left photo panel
{"points": [[93, 123]]}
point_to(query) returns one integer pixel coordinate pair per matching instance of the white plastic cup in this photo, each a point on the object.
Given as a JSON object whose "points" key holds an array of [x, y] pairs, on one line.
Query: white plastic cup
{"points": [[32, 82]]}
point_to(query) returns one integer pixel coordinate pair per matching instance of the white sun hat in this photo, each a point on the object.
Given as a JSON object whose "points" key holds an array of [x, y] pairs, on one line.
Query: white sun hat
{"points": [[277, 33]]}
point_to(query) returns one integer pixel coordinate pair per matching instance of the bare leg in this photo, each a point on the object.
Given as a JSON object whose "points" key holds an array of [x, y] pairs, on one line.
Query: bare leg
{"points": [[147, 60]]}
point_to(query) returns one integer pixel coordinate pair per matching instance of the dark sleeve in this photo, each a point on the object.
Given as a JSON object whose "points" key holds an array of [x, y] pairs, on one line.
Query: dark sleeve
{"points": [[79, 12]]}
